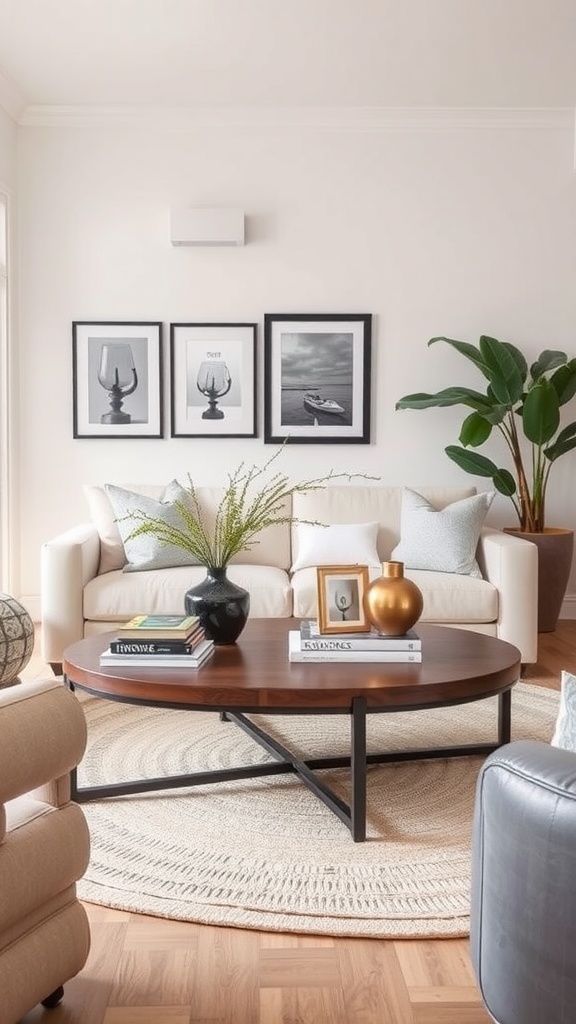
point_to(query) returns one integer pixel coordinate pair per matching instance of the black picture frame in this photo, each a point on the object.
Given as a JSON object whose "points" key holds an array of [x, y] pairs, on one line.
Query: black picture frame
{"points": [[229, 351], [310, 358], [129, 408]]}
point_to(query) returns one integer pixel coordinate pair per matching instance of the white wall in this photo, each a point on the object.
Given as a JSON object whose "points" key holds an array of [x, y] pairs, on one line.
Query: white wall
{"points": [[456, 232]]}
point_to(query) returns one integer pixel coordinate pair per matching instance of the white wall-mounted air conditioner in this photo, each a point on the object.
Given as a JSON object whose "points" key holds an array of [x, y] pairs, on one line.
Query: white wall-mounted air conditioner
{"points": [[222, 225]]}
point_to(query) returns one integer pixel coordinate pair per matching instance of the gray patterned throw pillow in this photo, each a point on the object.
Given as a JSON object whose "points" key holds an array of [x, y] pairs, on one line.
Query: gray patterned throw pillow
{"points": [[147, 552], [442, 540]]}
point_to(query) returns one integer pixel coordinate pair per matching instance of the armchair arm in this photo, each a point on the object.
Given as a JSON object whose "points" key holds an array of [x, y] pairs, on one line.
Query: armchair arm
{"points": [[511, 565], [67, 563], [523, 931], [42, 737]]}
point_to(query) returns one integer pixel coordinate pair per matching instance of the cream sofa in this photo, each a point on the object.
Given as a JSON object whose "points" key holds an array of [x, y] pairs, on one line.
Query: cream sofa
{"points": [[84, 589]]}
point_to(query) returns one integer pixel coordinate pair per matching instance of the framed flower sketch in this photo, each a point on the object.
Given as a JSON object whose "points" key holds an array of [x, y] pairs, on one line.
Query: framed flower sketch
{"points": [[341, 590], [213, 380], [117, 379], [317, 378]]}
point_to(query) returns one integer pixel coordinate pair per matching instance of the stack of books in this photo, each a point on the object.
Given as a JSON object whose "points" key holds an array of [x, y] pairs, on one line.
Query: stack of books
{"points": [[159, 641], [309, 644]]}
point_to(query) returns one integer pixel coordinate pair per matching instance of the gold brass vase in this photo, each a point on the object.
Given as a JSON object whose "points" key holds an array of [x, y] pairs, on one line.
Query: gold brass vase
{"points": [[393, 603]]}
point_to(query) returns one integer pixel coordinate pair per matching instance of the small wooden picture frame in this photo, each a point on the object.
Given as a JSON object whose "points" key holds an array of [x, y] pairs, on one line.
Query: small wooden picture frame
{"points": [[341, 590]]}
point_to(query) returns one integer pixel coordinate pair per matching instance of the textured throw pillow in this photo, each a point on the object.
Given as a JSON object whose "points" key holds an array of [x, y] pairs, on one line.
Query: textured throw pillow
{"points": [[442, 540], [147, 552], [565, 731], [346, 544]]}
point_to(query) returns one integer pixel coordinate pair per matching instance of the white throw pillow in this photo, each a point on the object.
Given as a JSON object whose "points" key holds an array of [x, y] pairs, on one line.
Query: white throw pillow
{"points": [[147, 552], [565, 731], [441, 540], [341, 544]]}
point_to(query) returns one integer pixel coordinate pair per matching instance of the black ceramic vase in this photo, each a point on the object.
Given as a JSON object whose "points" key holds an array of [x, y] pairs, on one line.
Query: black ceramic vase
{"points": [[221, 606]]}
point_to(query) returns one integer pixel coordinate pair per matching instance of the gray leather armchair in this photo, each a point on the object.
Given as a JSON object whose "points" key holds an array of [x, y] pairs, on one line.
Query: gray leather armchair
{"points": [[523, 914]]}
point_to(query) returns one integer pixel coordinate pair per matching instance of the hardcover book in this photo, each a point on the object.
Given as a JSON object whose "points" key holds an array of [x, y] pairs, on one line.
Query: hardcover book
{"points": [[200, 655], [311, 639], [127, 646], [150, 627], [295, 653]]}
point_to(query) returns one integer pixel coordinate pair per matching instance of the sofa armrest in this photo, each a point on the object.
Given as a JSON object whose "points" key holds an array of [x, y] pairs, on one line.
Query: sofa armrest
{"points": [[42, 737], [67, 563], [523, 908], [511, 565]]}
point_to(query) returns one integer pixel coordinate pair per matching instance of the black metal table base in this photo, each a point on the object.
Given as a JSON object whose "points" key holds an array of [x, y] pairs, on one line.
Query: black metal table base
{"points": [[354, 814]]}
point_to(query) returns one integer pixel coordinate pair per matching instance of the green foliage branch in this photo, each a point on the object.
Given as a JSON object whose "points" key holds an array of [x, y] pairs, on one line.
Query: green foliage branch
{"points": [[250, 504], [523, 404]]}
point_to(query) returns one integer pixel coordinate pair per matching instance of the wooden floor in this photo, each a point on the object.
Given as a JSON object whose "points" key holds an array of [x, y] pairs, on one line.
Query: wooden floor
{"points": [[145, 970]]}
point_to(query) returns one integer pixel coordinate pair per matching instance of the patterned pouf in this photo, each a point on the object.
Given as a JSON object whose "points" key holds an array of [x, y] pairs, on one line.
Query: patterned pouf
{"points": [[16, 638]]}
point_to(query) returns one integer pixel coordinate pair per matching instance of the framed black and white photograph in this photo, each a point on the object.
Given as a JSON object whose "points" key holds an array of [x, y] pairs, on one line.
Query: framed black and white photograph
{"points": [[117, 379], [341, 590], [213, 380], [317, 378]]}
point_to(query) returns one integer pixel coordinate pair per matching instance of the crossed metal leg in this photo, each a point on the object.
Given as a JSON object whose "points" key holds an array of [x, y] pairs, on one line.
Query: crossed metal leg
{"points": [[354, 814]]}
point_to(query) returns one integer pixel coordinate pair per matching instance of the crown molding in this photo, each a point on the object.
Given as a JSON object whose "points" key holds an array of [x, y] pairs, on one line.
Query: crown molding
{"points": [[12, 100], [352, 119]]}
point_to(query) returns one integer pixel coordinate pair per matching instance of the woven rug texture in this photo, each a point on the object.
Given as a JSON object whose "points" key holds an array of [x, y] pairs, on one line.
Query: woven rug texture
{"points": [[266, 853]]}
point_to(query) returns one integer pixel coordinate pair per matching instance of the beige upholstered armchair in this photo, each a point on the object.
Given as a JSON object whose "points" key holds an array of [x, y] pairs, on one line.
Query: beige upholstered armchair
{"points": [[44, 846]]}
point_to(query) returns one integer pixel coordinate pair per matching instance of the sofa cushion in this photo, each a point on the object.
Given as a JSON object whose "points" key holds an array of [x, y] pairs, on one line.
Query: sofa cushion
{"points": [[117, 596], [112, 554], [443, 540], [448, 597], [45, 844], [340, 544], [147, 551]]}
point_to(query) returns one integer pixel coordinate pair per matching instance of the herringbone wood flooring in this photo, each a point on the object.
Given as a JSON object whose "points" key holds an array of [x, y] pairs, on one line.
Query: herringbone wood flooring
{"points": [[145, 970]]}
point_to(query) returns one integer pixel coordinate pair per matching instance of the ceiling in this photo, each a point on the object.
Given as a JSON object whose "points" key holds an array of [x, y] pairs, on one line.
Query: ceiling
{"points": [[287, 53]]}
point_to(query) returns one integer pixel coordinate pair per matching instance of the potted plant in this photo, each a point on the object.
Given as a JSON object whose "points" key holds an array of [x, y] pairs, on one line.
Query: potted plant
{"points": [[250, 504], [523, 405]]}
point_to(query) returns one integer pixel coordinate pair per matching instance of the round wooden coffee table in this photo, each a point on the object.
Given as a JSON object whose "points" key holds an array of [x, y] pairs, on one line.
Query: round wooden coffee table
{"points": [[255, 676]]}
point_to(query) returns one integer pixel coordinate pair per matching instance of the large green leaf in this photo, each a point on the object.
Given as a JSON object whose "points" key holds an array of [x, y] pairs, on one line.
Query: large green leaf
{"points": [[565, 442], [449, 396], [518, 359], [564, 381], [502, 370], [548, 360], [465, 349], [541, 412], [471, 462], [504, 482], [479, 465], [497, 412], [475, 430]]}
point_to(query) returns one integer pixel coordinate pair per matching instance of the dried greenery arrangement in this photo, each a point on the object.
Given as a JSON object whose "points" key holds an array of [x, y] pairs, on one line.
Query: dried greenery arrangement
{"points": [[249, 505]]}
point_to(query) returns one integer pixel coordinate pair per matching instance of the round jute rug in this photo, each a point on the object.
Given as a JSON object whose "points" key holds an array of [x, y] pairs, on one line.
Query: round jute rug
{"points": [[266, 853]]}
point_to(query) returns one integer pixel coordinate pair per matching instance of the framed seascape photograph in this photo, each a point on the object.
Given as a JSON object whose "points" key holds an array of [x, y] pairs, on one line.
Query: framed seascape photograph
{"points": [[341, 590], [213, 380], [117, 378], [317, 378]]}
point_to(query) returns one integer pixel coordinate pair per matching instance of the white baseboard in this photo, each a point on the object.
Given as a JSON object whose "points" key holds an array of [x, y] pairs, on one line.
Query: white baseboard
{"points": [[568, 610]]}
